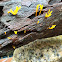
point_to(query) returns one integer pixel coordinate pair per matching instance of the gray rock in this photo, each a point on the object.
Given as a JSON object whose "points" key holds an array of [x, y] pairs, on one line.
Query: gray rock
{"points": [[41, 50]]}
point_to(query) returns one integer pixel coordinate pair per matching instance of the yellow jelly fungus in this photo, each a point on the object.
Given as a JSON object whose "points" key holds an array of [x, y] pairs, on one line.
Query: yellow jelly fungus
{"points": [[15, 32], [37, 22], [24, 31], [41, 7], [48, 14], [9, 38], [15, 11], [13, 46], [53, 26], [5, 33]]}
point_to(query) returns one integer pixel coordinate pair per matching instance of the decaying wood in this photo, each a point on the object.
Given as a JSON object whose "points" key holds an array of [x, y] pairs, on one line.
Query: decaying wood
{"points": [[34, 30], [39, 30]]}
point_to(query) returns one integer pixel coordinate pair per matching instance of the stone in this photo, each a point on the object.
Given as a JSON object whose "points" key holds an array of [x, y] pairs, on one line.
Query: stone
{"points": [[41, 50]]}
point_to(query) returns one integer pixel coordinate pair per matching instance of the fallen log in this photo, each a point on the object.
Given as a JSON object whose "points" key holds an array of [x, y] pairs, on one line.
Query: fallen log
{"points": [[33, 30]]}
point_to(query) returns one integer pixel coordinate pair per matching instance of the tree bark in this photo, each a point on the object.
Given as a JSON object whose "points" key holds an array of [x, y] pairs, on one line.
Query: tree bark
{"points": [[33, 30]]}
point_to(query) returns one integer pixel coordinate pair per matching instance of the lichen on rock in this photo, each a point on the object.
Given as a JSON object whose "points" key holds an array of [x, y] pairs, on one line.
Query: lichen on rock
{"points": [[41, 50]]}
